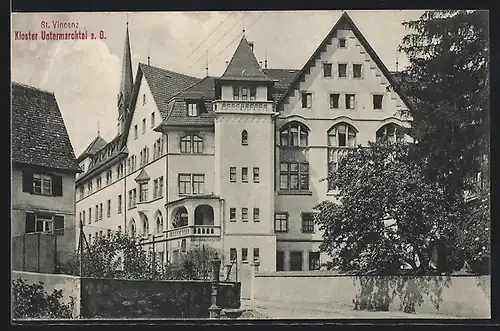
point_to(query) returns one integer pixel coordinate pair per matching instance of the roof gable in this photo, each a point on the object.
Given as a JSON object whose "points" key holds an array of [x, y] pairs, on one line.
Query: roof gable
{"points": [[345, 23], [39, 135], [93, 147], [244, 65]]}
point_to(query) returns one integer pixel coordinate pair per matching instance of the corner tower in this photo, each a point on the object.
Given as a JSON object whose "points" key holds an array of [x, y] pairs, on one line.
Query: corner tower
{"points": [[126, 83], [244, 155]]}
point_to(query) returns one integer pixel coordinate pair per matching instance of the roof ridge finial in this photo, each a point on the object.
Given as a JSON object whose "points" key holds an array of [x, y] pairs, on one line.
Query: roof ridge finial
{"points": [[98, 129], [127, 19], [397, 60], [149, 58], [243, 19]]}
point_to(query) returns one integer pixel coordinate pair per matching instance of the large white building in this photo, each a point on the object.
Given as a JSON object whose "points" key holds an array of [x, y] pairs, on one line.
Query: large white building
{"points": [[237, 162]]}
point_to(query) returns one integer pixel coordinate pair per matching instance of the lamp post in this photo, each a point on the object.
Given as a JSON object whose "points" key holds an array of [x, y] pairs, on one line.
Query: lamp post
{"points": [[214, 309]]}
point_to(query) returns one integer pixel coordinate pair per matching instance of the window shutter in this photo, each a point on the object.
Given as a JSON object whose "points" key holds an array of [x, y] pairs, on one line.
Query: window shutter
{"points": [[28, 181], [57, 186], [59, 225], [30, 223]]}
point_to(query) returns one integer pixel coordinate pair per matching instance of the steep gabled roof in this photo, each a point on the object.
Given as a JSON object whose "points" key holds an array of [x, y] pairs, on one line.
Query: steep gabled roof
{"points": [[283, 78], [244, 65], [143, 176], [93, 147], [163, 84], [344, 22], [39, 135]]}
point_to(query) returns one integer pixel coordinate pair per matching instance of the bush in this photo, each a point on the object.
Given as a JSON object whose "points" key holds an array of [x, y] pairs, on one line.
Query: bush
{"points": [[32, 301]]}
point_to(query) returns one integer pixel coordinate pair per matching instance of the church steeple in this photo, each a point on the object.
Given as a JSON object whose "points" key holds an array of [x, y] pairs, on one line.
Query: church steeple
{"points": [[127, 80]]}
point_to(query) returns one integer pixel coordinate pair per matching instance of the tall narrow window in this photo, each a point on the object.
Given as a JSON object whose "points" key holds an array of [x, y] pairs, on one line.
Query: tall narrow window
{"points": [[307, 223], [186, 144], [306, 100], [152, 119], [356, 70], [256, 214], [342, 70], [236, 93], [281, 222], [253, 93], [244, 137], [256, 175], [160, 187], [233, 255], [377, 101], [340, 138], [108, 212], [119, 204], [143, 126], [232, 174], [334, 100], [327, 69], [184, 184], [244, 93], [144, 99], [244, 255], [232, 214], [198, 184], [244, 174], [314, 262], [155, 189], [256, 254], [135, 131], [197, 144], [244, 214]]}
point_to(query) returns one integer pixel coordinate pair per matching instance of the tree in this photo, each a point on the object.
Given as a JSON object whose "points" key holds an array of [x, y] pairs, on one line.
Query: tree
{"points": [[387, 215]]}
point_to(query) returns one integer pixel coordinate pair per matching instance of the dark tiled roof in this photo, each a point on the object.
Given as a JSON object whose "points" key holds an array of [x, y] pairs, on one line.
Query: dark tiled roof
{"points": [[244, 65], [93, 147], [178, 114], [164, 84], [143, 175], [283, 77], [204, 89], [39, 135]]}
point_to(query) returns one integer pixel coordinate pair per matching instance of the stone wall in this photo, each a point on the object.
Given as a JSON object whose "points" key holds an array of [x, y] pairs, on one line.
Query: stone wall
{"points": [[454, 296]]}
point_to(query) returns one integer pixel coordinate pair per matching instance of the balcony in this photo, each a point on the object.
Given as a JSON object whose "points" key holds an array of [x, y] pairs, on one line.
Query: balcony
{"points": [[194, 231], [222, 106]]}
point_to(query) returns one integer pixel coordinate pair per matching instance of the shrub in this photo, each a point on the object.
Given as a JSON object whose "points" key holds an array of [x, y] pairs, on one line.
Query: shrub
{"points": [[32, 301]]}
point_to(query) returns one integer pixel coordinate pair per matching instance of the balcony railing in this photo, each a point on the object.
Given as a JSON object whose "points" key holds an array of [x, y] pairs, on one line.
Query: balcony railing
{"points": [[194, 231], [243, 106]]}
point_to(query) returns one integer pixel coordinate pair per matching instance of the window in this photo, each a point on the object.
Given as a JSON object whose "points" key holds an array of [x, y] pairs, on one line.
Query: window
{"points": [[256, 175], [327, 69], [281, 222], [342, 70], [350, 101], [144, 99], [280, 261], [100, 211], [232, 214], [89, 187], [342, 43], [334, 100], [119, 229], [152, 119], [198, 184], [233, 255], [232, 174], [294, 134], [160, 187], [356, 70], [109, 234], [192, 109], [109, 177], [296, 261], [244, 214], [294, 176], [244, 174], [244, 93], [377, 101], [134, 194], [42, 184], [119, 204], [83, 217], [390, 132], [143, 126], [307, 223], [159, 223], [90, 215], [155, 188], [90, 238], [98, 182], [39, 223], [244, 137], [253, 93], [236, 93], [135, 131], [108, 211], [244, 255], [256, 254], [314, 263], [306, 100], [143, 192], [256, 215], [191, 183], [191, 144], [342, 135]]}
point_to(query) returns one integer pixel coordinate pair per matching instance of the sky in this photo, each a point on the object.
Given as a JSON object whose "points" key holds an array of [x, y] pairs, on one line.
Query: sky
{"points": [[85, 74]]}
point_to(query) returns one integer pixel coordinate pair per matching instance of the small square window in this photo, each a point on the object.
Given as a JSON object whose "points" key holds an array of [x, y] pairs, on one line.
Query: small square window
{"points": [[377, 101], [342, 43], [342, 70], [334, 100]]}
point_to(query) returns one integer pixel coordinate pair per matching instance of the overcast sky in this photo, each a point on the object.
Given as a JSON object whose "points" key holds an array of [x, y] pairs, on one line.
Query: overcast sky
{"points": [[85, 75]]}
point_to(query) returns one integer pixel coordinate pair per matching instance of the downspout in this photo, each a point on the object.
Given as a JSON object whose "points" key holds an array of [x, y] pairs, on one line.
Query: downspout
{"points": [[167, 218], [223, 227]]}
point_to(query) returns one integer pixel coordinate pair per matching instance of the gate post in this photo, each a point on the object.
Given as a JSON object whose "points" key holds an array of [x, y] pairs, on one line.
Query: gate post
{"points": [[214, 309]]}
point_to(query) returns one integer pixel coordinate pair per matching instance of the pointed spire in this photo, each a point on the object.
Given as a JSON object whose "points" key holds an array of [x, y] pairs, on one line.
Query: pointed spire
{"points": [[98, 129], [265, 59], [244, 65], [126, 82]]}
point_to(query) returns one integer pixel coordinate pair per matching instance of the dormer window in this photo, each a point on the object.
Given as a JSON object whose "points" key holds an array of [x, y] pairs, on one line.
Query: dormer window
{"points": [[192, 109]]}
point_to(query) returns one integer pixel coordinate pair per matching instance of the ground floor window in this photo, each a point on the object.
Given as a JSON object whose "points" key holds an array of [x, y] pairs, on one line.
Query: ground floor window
{"points": [[296, 261], [280, 261], [314, 263], [44, 223]]}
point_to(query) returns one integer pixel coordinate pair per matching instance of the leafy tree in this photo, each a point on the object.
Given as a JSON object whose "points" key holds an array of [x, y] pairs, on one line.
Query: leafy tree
{"points": [[195, 264], [387, 215]]}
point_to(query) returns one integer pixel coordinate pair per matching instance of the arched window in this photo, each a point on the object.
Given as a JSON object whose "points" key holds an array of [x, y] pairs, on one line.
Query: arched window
{"points": [[159, 223], [294, 134], [244, 137], [390, 132], [341, 138], [197, 144], [191, 143], [186, 144], [133, 228], [145, 227]]}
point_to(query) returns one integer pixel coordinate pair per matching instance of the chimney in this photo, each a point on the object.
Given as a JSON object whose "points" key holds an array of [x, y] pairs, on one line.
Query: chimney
{"points": [[251, 45], [260, 63], [227, 62]]}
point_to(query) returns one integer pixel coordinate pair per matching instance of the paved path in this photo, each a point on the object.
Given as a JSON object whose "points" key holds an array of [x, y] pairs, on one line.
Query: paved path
{"points": [[316, 311]]}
